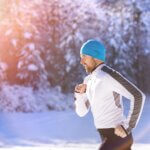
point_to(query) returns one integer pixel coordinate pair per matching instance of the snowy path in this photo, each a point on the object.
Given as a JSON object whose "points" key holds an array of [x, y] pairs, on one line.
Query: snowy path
{"points": [[72, 147], [60, 131]]}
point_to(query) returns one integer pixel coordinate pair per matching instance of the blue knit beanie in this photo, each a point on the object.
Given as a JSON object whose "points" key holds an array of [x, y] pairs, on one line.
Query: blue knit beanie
{"points": [[94, 49]]}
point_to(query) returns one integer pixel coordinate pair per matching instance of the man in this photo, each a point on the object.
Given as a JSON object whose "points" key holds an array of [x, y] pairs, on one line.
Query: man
{"points": [[102, 91]]}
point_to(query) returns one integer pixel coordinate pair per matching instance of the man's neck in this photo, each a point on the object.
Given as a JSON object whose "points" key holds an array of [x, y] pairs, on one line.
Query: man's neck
{"points": [[97, 66]]}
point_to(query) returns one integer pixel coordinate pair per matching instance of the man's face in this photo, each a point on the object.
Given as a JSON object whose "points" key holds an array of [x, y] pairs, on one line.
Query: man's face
{"points": [[88, 63]]}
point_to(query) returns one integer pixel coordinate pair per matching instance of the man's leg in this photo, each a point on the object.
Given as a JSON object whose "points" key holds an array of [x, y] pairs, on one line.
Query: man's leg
{"points": [[106, 145]]}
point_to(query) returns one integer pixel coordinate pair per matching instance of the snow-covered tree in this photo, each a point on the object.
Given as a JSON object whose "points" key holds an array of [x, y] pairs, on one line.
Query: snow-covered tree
{"points": [[3, 68], [22, 55], [60, 31], [31, 68], [126, 38], [40, 41]]}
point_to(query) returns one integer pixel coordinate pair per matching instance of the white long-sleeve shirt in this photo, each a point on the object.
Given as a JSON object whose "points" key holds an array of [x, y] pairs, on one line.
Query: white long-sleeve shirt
{"points": [[105, 88]]}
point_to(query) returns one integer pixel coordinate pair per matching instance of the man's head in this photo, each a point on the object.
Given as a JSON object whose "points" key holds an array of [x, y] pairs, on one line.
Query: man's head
{"points": [[92, 54]]}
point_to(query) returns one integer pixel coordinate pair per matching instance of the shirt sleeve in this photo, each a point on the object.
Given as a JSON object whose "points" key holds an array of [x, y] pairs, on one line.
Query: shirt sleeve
{"points": [[121, 85], [81, 104]]}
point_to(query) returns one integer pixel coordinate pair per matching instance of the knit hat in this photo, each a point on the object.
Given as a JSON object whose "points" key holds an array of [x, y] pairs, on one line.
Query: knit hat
{"points": [[94, 49]]}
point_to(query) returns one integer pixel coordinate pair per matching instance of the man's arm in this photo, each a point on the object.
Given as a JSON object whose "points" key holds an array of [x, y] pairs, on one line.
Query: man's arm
{"points": [[81, 104], [122, 86]]}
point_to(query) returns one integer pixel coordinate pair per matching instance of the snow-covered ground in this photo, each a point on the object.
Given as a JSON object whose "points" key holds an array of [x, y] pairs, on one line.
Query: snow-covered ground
{"points": [[71, 146], [60, 130]]}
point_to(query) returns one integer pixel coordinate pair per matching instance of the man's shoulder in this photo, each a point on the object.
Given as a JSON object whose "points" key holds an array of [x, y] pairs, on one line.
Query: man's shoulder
{"points": [[100, 74], [109, 71], [113, 74]]}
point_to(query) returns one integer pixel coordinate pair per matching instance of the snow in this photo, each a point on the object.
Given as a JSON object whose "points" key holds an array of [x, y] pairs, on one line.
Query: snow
{"points": [[32, 67], [31, 35], [38, 29], [70, 58], [31, 46], [8, 32], [20, 63], [3, 65], [16, 98], [24, 99], [61, 130], [27, 35], [14, 42], [70, 146]]}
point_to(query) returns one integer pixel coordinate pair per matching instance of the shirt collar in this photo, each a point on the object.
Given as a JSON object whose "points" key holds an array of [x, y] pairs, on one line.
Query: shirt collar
{"points": [[98, 68]]}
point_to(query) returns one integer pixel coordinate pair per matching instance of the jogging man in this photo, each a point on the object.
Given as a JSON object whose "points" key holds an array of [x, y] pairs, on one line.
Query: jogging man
{"points": [[102, 91]]}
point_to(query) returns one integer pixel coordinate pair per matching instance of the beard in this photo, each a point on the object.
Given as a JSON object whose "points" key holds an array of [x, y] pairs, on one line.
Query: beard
{"points": [[89, 69], [90, 65]]}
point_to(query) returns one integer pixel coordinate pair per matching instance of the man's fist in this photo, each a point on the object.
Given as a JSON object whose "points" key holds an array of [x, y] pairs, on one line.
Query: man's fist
{"points": [[80, 88], [120, 131]]}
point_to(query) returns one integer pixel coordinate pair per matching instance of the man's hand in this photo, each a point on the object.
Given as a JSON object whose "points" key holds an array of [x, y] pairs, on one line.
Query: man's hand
{"points": [[120, 131], [80, 88]]}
